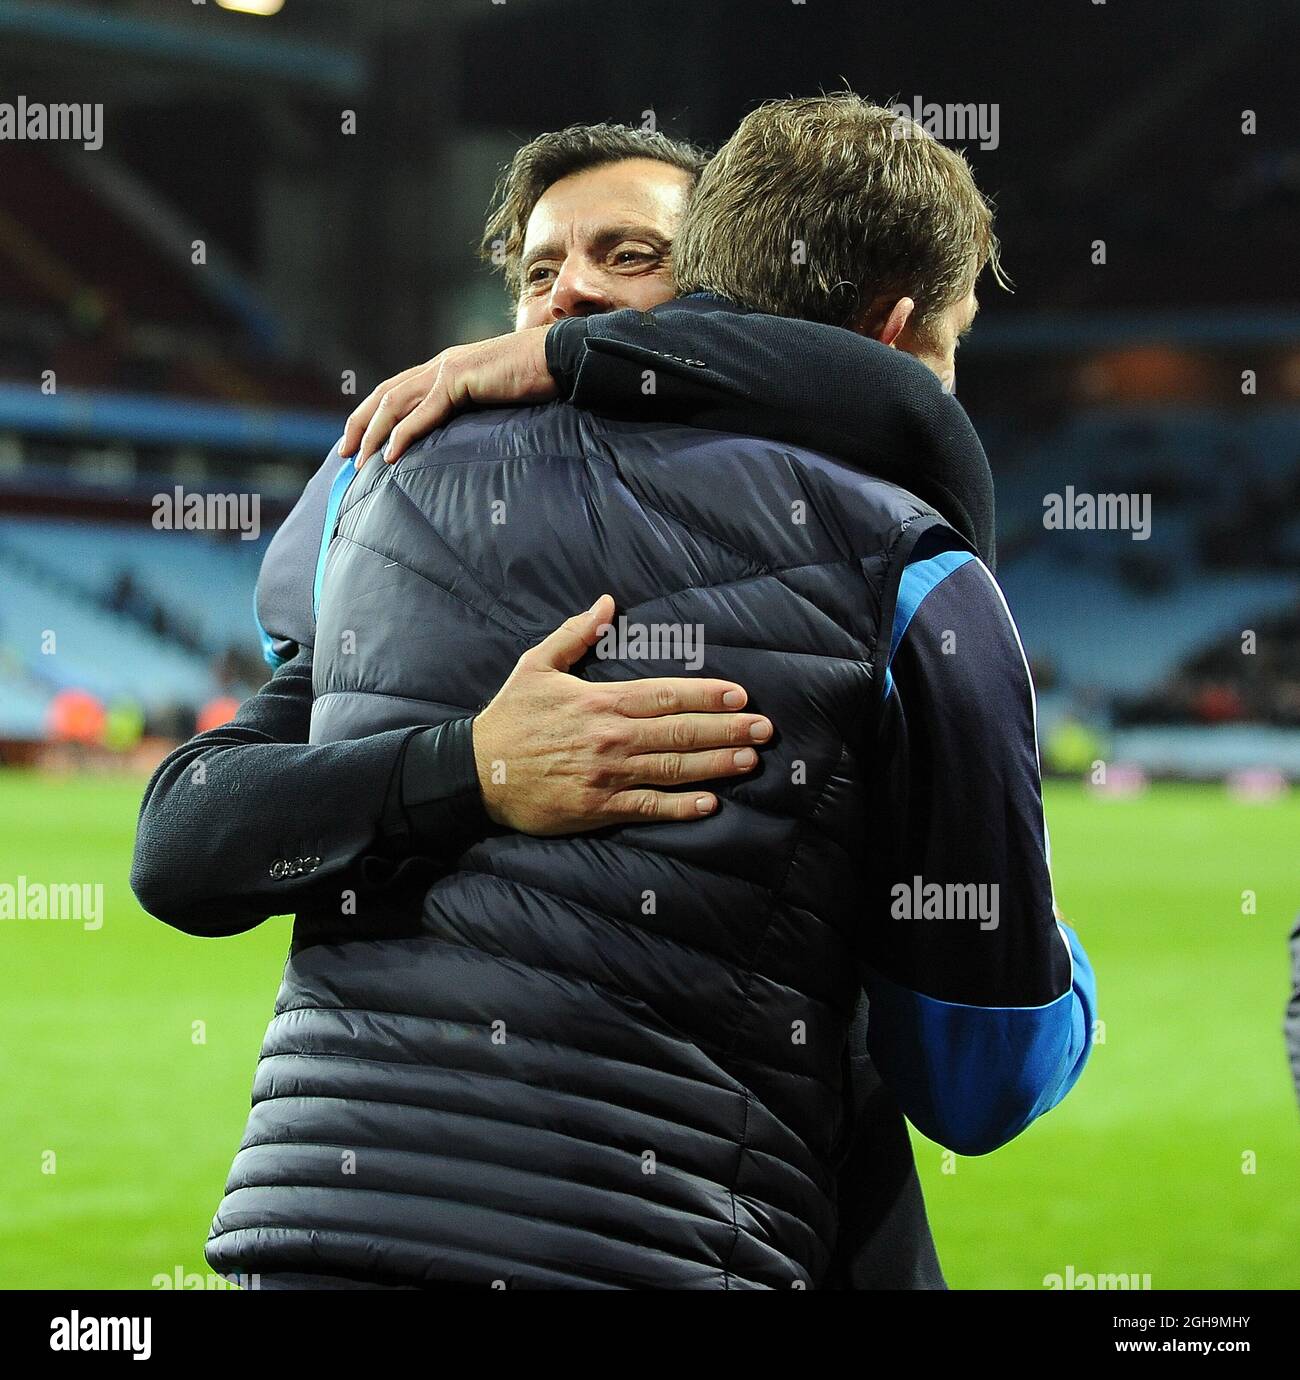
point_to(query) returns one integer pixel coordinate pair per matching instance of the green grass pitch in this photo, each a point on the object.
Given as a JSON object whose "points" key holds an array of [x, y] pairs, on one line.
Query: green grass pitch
{"points": [[1142, 1170]]}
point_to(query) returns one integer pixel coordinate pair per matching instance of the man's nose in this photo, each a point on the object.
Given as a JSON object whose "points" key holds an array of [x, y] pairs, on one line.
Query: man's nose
{"points": [[576, 292]]}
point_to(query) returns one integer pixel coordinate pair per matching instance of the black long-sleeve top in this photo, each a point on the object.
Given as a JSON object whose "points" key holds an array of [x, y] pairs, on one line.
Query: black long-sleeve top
{"points": [[250, 820]]}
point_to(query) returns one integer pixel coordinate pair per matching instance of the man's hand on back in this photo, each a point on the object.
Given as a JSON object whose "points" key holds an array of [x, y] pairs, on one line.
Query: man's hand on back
{"points": [[560, 755], [505, 369], [557, 754]]}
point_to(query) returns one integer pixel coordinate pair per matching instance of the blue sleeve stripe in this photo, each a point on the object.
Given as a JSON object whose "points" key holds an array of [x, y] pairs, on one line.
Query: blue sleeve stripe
{"points": [[917, 581], [272, 658], [973, 1077], [345, 476]]}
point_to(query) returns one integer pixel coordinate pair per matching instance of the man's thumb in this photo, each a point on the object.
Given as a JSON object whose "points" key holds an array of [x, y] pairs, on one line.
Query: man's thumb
{"points": [[572, 639]]}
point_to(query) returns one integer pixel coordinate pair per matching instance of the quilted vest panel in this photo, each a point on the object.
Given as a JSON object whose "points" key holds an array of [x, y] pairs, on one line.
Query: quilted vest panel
{"points": [[611, 1059]]}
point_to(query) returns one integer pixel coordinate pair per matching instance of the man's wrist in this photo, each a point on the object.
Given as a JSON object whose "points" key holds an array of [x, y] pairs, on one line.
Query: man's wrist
{"points": [[435, 804], [490, 791], [566, 344]]}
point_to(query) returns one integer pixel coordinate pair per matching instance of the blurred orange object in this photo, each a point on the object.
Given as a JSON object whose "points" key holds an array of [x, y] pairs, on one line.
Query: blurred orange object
{"points": [[1218, 704], [76, 716], [217, 712]]}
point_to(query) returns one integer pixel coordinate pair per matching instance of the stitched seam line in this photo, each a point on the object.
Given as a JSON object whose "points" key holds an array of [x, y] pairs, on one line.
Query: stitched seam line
{"points": [[873, 705], [602, 1102], [720, 1137], [735, 1179], [295, 1235], [602, 1189], [726, 1051], [627, 926], [494, 595], [708, 1047], [479, 1025], [786, 652], [514, 633], [459, 711], [506, 1078], [541, 1263], [799, 827]]}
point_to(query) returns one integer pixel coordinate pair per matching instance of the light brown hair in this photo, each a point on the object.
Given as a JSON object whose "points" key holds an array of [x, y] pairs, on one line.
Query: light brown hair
{"points": [[545, 160], [818, 205]]}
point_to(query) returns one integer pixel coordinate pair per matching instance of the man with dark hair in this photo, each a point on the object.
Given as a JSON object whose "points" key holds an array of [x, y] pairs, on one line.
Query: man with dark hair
{"points": [[510, 238]]}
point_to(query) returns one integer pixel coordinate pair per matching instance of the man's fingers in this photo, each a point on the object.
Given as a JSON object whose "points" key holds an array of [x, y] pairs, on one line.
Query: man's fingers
{"points": [[357, 423], [431, 413], [677, 768], [385, 417], [456, 380], [445, 396], [395, 405], [699, 731], [648, 807], [644, 699], [510, 368], [362, 414], [558, 651], [451, 389]]}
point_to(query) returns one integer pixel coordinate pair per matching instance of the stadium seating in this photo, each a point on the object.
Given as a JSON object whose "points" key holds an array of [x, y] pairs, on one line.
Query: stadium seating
{"points": [[1110, 612], [209, 581], [58, 577], [1098, 633]]}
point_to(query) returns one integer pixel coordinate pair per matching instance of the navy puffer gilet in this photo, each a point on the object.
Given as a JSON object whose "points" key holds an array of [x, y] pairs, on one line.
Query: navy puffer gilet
{"points": [[615, 1059]]}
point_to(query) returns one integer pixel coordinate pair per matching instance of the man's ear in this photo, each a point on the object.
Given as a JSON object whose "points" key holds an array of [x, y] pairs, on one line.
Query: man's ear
{"points": [[899, 315], [885, 319]]}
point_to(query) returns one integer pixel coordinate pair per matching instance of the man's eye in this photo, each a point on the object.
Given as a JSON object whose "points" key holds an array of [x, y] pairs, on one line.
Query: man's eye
{"points": [[537, 274], [626, 257]]}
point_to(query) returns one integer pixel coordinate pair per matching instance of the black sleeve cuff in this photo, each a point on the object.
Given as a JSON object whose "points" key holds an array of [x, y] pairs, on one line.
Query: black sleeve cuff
{"points": [[566, 346], [435, 806]]}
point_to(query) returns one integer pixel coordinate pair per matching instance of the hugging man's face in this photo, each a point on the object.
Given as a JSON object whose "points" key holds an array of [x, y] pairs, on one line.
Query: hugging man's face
{"points": [[602, 239]]}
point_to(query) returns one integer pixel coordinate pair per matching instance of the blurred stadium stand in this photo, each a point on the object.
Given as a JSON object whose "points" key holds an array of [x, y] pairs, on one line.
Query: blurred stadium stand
{"points": [[1115, 613], [134, 616]]}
